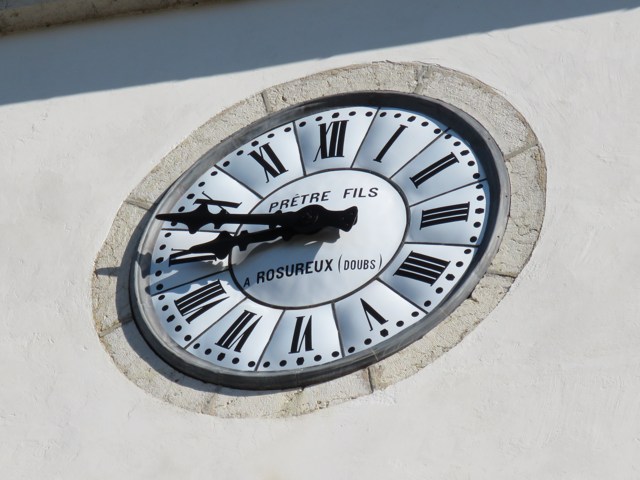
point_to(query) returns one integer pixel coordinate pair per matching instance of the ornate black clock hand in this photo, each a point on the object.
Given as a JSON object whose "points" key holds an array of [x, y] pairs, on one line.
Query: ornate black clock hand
{"points": [[312, 219], [309, 215]]}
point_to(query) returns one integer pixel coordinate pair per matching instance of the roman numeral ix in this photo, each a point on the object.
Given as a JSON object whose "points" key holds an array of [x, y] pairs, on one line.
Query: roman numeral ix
{"points": [[451, 213], [199, 301], [332, 139], [422, 268]]}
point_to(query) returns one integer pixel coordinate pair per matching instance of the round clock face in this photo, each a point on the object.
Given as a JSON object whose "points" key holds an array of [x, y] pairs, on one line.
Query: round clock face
{"points": [[320, 240]]}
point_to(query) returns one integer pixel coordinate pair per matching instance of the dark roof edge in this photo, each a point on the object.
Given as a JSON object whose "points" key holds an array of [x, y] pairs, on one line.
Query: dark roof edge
{"points": [[19, 15]]}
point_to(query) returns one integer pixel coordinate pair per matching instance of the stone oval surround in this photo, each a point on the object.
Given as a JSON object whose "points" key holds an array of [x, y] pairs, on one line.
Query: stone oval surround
{"points": [[110, 287]]}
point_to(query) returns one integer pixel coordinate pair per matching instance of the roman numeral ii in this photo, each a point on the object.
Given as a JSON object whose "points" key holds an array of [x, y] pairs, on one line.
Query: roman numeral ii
{"points": [[433, 169]]}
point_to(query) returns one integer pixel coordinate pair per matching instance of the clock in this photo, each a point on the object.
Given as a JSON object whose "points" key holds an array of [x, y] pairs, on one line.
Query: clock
{"points": [[319, 240]]}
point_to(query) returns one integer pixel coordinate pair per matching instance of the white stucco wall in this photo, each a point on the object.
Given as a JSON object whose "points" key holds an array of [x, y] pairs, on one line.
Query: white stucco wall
{"points": [[546, 387]]}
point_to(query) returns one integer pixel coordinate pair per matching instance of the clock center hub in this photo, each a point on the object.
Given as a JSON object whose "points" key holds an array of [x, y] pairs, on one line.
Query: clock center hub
{"points": [[314, 269]]}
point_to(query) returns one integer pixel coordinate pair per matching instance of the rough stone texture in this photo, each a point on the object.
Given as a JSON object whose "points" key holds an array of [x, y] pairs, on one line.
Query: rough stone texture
{"points": [[525, 162], [505, 124], [110, 287], [195, 146], [142, 366], [528, 184], [294, 402], [401, 77], [483, 299], [18, 15]]}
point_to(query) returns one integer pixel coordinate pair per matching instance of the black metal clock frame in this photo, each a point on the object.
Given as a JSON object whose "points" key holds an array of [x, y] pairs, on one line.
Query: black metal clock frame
{"points": [[487, 153]]}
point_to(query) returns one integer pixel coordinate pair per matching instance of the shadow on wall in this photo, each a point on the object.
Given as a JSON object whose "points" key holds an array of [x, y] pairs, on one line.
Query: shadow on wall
{"points": [[245, 35]]}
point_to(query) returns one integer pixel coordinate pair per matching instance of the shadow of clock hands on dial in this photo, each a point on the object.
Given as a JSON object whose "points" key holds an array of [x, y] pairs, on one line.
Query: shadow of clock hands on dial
{"points": [[309, 220]]}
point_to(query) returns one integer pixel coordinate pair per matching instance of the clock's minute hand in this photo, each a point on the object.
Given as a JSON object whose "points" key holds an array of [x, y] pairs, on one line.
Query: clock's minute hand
{"points": [[312, 219], [198, 218]]}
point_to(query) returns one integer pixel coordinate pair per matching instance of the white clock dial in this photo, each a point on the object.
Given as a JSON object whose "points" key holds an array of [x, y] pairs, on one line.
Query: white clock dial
{"points": [[303, 338], [396, 136], [331, 139], [333, 263], [457, 217], [337, 233], [237, 339], [266, 162], [375, 314], [446, 164]]}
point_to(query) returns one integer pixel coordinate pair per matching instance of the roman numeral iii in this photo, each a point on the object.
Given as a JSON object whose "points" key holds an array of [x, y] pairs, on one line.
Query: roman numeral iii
{"points": [[451, 213], [199, 301], [422, 268], [332, 139]]}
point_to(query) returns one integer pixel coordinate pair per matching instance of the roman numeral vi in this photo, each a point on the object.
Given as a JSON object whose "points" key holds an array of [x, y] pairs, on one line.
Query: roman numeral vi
{"points": [[301, 334]]}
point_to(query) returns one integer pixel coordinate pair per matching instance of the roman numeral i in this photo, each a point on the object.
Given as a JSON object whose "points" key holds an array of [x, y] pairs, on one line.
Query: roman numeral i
{"points": [[389, 143]]}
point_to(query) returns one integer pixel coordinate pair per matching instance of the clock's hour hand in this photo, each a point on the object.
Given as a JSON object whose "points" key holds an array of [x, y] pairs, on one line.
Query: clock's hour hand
{"points": [[312, 219], [221, 246]]}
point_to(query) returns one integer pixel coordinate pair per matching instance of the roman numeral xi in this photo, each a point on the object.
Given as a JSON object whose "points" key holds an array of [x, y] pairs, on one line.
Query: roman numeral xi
{"points": [[422, 268], [268, 160]]}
